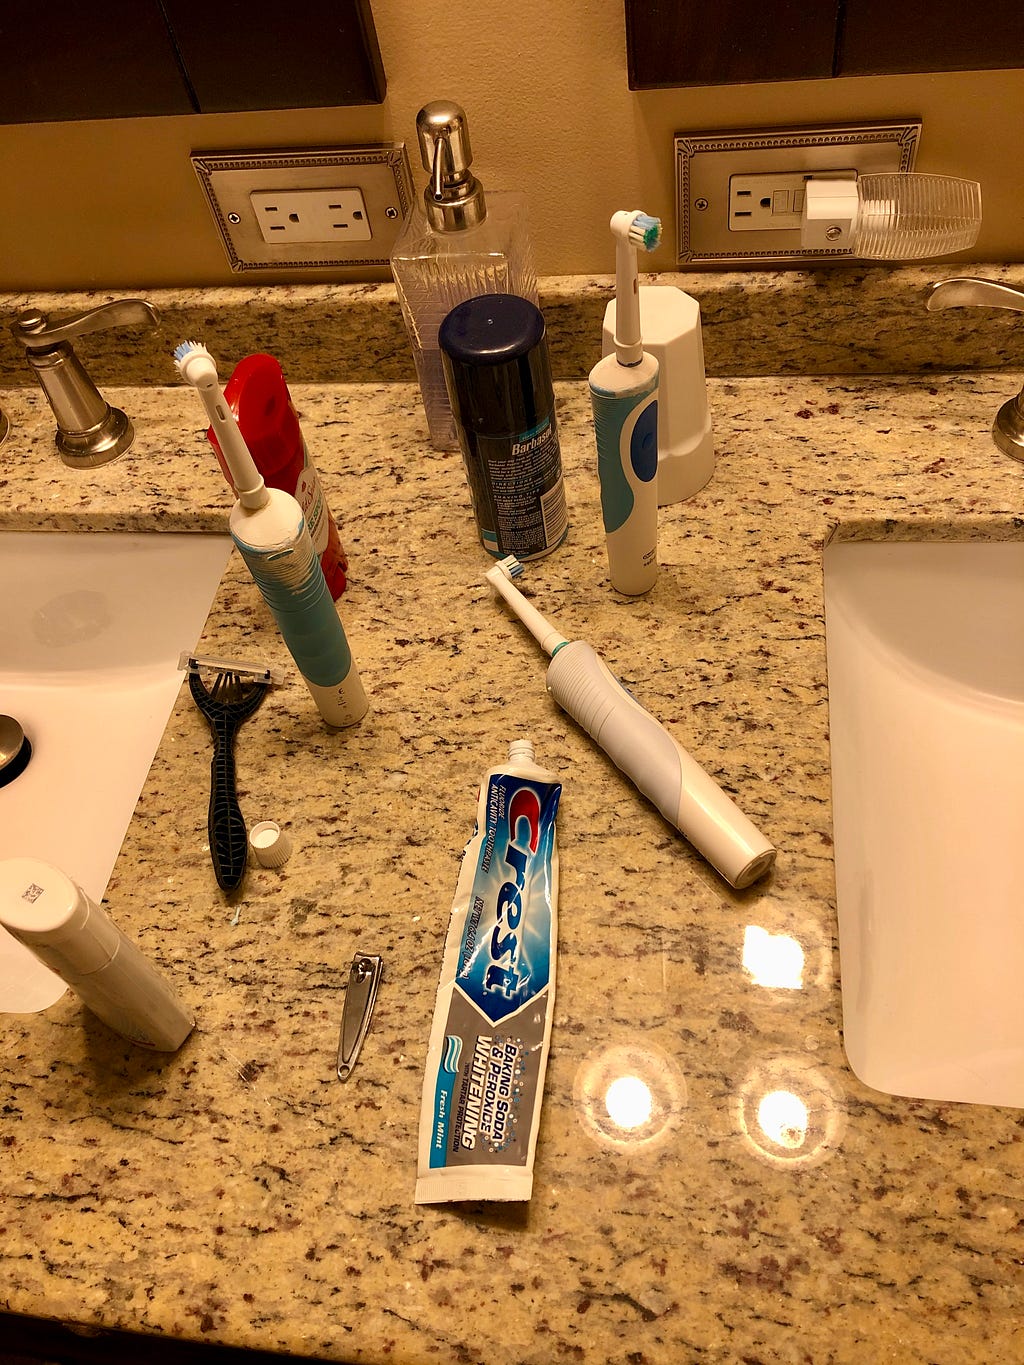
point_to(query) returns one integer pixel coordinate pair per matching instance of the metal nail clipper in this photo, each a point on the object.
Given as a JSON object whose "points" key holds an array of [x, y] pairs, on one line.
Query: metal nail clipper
{"points": [[360, 997]]}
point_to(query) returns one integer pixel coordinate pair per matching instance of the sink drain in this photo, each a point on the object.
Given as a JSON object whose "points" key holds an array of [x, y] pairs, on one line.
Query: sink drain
{"points": [[15, 750]]}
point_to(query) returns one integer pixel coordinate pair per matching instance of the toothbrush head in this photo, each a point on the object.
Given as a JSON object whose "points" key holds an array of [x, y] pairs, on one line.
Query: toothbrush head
{"points": [[194, 362], [500, 577], [637, 228], [510, 567], [503, 572]]}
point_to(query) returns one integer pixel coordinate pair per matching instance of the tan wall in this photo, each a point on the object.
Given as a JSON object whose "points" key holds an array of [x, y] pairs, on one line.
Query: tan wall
{"points": [[115, 204]]}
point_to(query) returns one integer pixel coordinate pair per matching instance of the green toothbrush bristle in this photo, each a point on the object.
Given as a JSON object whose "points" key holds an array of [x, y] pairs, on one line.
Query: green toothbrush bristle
{"points": [[645, 231]]}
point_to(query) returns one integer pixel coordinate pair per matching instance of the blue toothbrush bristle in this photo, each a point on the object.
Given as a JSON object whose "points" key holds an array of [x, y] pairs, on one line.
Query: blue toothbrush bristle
{"points": [[511, 566], [645, 231]]}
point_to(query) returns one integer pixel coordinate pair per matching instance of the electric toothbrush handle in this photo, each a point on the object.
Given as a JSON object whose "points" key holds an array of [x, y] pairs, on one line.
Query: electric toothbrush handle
{"points": [[307, 618], [624, 402], [275, 543], [687, 796]]}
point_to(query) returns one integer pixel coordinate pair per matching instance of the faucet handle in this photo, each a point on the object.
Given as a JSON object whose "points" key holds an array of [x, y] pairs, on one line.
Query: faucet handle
{"points": [[967, 292], [35, 333], [89, 431]]}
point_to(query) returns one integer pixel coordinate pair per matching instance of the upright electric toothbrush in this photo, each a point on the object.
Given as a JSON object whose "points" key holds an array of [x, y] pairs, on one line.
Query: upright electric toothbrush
{"points": [[687, 796], [624, 400], [270, 531]]}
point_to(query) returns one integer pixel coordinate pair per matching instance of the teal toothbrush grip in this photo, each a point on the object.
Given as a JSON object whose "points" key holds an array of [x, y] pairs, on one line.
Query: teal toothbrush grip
{"points": [[624, 401], [293, 586], [625, 428]]}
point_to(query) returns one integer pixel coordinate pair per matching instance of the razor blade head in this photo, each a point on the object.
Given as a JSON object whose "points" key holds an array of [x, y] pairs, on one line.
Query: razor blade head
{"points": [[248, 671]]}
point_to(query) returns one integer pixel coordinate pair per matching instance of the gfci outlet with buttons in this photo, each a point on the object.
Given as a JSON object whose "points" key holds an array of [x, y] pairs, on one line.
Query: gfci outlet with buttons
{"points": [[741, 194], [307, 209], [772, 203]]}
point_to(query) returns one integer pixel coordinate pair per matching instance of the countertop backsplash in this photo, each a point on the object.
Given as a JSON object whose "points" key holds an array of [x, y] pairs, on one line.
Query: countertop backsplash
{"points": [[844, 320], [236, 1193]]}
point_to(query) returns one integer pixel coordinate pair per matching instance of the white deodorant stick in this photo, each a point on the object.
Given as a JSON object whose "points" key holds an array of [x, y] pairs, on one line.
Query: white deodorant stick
{"points": [[75, 938]]}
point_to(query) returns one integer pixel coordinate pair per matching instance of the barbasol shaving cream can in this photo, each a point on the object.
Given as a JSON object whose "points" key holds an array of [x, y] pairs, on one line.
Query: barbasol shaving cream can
{"points": [[496, 367]]}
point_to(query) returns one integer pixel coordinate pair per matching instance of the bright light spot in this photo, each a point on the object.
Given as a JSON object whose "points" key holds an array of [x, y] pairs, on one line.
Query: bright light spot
{"points": [[773, 959], [789, 1112], [630, 1096], [783, 1117], [629, 1101]]}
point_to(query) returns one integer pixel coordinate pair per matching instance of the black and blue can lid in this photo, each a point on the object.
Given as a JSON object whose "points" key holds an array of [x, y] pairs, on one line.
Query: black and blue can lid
{"points": [[496, 364]]}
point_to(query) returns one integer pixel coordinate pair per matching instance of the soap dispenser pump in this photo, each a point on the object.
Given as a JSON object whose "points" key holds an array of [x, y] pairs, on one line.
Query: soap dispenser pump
{"points": [[456, 243], [454, 198]]}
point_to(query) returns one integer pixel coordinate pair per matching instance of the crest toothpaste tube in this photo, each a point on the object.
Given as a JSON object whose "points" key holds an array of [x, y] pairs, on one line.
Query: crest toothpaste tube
{"points": [[489, 1040]]}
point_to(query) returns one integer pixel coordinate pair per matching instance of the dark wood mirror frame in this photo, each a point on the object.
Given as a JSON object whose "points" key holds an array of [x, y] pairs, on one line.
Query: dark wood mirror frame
{"points": [[137, 58], [683, 43]]}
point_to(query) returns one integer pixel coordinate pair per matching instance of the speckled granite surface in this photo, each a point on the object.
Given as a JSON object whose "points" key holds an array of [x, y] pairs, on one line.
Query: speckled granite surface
{"points": [[847, 320], [238, 1193]]}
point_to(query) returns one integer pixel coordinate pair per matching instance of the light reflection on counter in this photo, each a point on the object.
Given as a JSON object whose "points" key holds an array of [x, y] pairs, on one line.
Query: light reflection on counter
{"points": [[773, 959], [629, 1097], [788, 1114], [784, 1119], [796, 957], [629, 1102]]}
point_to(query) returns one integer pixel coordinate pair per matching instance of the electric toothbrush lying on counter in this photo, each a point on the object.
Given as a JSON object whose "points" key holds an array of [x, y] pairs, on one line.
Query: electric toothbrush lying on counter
{"points": [[640, 746], [270, 531]]}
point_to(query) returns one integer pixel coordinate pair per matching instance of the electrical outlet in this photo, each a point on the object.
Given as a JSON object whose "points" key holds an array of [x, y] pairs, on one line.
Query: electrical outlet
{"points": [[772, 202], [757, 202], [739, 193], [311, 215], [312, 209]]}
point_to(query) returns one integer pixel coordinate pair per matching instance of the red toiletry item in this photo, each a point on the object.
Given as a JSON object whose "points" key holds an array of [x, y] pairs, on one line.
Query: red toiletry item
{"points": [[258, 396]]}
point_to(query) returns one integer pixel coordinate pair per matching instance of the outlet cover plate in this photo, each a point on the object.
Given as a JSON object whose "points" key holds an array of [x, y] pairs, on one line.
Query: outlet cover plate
{"points": [[380, 172], [705, 162]]}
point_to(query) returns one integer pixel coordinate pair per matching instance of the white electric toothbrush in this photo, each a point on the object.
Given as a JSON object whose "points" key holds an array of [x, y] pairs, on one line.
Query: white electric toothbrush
{"points": [[624, 400], [640, 746], [270, 531]]}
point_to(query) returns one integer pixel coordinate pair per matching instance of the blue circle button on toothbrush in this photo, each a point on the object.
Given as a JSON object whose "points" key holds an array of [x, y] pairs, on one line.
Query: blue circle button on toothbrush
{"points": [[624, 401], [643, 448]]}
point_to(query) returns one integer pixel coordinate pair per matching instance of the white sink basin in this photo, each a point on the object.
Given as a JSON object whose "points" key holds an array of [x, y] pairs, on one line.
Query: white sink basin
{"points": [[92, 625], [926, 707]]}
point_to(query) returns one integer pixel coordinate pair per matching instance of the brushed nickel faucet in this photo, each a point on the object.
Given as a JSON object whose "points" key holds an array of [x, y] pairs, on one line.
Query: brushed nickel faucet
{"points": [[89, 431], [967, 292]]}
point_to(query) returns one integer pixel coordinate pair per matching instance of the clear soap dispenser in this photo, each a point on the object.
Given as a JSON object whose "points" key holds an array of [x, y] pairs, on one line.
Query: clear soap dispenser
{"points": [[454, 245]]}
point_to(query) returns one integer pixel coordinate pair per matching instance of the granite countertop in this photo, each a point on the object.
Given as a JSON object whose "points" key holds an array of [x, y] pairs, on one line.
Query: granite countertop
{"points": [[237, 1193]]}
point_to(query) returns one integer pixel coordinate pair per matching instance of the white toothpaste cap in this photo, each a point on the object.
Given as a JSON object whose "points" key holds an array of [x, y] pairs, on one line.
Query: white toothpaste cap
{"points": [[269, 844]]}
